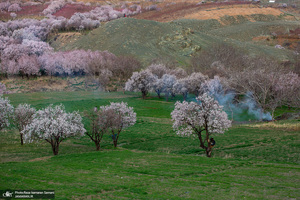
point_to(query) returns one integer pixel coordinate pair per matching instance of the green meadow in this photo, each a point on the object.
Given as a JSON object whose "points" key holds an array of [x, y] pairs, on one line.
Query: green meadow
{"points": [[250, 161]]}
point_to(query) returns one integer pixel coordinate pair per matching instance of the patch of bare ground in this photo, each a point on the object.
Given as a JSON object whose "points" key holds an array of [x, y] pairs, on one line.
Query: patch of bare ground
{"points": [[156, 120], [273, 125], [63, 39], [18, 85], [191, 10], [234, 10], [40, 159], [46, 83]]}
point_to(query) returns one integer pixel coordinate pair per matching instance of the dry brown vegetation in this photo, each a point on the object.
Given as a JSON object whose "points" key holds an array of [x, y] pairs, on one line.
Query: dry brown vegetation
{"points": [[190, 10], [17, 85], [245, 10], [274, 125]]}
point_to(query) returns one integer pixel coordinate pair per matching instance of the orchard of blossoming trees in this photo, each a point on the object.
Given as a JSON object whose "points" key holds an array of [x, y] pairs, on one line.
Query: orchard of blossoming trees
{"points": [[53, 124], [264, 87], [23, 50]]}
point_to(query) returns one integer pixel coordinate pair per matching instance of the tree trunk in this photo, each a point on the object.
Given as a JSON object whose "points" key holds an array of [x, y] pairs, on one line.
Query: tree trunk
{"points": [[184, 97], [144, 94], [115, 143], [97, 146], [21, 136], [55, 149], [208, 152]]}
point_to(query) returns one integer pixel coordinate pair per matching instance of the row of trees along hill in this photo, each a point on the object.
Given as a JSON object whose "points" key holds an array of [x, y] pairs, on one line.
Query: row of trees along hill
{"points": [[260, 86], [53, 124]]}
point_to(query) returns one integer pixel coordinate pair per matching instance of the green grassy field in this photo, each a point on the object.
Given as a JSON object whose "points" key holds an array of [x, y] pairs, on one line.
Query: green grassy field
{"points": [[251, 161]]}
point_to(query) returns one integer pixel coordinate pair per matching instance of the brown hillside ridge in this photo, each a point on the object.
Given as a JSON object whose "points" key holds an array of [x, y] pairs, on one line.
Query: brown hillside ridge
{"points": [[244, 10], [187, 10]]}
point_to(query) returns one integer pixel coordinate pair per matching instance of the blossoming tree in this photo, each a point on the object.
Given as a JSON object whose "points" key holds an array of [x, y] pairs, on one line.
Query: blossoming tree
{"points": [[54, 124], [195, 118], [100, 122], [6, 112], [2, 88], [22, 117], [141, 81], [120, 117]]}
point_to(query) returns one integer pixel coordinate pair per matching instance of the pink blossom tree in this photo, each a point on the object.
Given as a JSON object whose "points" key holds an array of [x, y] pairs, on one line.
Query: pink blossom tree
{"points": [[178, 72], [6, 112], [214, 87], [53, 64], [287, 90], [22, 117], [53, 124], [99, 123], [168, 83], [37, 47], [194, 82], [119, 116], [54, 6], [158, 69], [181, 87], [28, 66], [158, 86], [269, 86], [14, 8], [193, 118], [4, 6], [141, 81], [13, 15]]}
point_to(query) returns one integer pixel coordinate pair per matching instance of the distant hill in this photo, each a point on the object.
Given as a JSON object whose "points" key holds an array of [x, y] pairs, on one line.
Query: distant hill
{"points": [[179, 39]]}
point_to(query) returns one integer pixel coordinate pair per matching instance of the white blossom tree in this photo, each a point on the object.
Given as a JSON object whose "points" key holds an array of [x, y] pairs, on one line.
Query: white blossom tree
{"points": [[6, 112], [14, 8], [2, 88], [120, 117], [54, 6], [193, 118], [22, 117], [158, 86], [181, 87], [194, 82], [158, 69], [53, 124], [141, 81], [168, 83], [178, 72]]}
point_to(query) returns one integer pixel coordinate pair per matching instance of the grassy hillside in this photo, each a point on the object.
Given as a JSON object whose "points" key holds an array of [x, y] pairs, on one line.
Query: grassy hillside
{"points": [[252, 161], [180, 39]]}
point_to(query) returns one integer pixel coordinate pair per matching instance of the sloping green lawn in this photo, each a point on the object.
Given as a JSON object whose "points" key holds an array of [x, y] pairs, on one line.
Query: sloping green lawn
{"points": [[152, 162]]}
